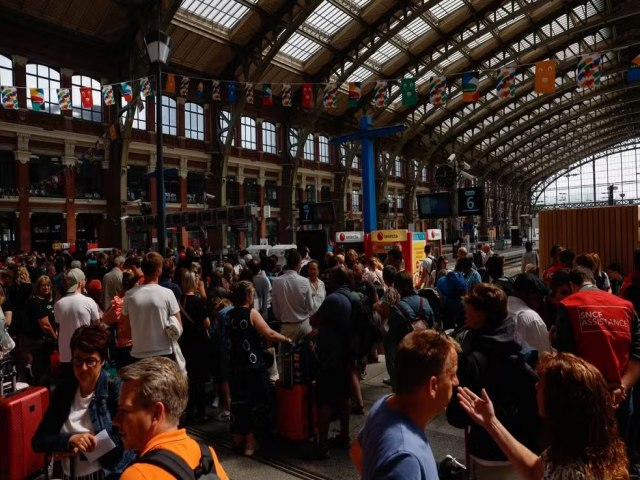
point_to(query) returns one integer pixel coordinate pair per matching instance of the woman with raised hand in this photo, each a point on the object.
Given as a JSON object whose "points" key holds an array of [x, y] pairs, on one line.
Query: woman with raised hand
{"points": [[576, 407]]}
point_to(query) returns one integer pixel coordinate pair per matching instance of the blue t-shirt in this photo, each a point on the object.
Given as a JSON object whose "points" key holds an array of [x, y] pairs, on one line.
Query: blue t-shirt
{"points": [[393, 447]]}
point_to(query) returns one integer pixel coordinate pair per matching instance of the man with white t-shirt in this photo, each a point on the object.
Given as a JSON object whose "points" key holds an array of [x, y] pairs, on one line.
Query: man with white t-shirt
{"points": [[147, 310], [72, 312]]}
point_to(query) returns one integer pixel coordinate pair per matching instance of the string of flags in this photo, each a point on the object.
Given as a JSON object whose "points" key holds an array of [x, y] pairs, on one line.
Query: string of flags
{"points": [[588, 75]]}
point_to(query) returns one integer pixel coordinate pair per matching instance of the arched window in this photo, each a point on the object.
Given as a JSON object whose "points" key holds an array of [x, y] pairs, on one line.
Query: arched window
{"points": [[224, 125], [6, 71], [309, 152], [41, 76], [93, 113], [169, 116], [323, 149], [248, 133], [194, 121], [139, 115], [269, 139]]}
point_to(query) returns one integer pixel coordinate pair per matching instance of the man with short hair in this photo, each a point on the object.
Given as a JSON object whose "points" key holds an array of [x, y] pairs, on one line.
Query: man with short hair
{"points": [[392, 443], [72, 312], [523, 305], [153, 395], [112, 282], [426, 266], [291, 299], [147, 310], [554, 255], [395, 258]]}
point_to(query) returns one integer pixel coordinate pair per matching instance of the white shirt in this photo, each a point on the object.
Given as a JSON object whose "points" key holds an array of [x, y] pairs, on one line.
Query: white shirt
{"points": [[291, 297], [529, 325], [317, 296], [149, 307], [79, 421], [72, 312]]}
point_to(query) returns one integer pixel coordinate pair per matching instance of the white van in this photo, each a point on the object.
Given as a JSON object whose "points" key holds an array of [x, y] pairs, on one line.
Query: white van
{"points": [[279, 251]]}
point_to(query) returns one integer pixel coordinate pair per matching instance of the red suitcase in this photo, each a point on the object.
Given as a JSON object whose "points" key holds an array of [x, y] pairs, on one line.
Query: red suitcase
{"points": [[20, 415], [296, 412]]}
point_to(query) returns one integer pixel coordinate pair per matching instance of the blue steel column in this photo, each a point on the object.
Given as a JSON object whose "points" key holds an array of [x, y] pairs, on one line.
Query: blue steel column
{"points": [[369, 212]]}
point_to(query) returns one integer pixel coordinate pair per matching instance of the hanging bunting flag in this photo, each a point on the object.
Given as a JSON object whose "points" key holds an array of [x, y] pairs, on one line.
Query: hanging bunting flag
{"points": [[505, 85], [545, 76], [408, 91], [37, 99], [113, 131], [286, 95], [307, 95], [107, 95], [86, 97], [438, 90], [588, 72], [184, 86], [470, 87], [127, 93], [64, 99], [329, 95], [199, 89], [267, 94], [145, 88], [140, 105], [9, 97], [232, 93], [355, 92], [215, 91], [633, 74], [248, 90], [380, 94], [170, 86]]}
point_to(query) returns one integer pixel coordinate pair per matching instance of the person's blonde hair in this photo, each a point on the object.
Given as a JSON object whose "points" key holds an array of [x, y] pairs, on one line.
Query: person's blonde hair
{"points": [[23, 275], [160, 380], [189, 282], [43, 280]]}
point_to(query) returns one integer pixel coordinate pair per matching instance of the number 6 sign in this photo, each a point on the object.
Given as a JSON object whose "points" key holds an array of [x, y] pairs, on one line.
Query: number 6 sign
{"points": [[470, 201]]}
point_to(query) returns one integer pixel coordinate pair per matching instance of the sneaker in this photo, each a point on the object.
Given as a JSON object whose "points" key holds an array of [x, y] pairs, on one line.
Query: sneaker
{"points": [[215, 402], [224, 416]]}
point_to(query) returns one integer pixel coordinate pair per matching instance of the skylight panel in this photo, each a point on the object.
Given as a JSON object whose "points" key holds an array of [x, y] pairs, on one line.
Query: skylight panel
{"points": [[415, 29], [327, 18], [512, 21], [385, 53], [480, 40], [445, 7], [450, 58], [300, 47], [223, 13], [360, 74]]}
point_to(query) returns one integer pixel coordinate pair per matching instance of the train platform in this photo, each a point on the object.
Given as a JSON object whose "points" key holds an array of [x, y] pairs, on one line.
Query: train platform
{"points": [[283, 460]]}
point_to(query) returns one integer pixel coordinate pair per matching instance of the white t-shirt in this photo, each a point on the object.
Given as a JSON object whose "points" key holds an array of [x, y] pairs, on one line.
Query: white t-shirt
{"points": [[79, 421], [149, 308], [72, 312], [529, 325]]}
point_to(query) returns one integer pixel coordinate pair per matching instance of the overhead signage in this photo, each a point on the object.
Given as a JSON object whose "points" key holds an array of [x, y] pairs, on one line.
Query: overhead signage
{"points": [[434, 234], [470, 201]]}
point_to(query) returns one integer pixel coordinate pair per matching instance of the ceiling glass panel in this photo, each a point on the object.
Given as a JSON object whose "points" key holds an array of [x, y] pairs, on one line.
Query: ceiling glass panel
{"points": [[385, 53], [445, 7], [328, 18], [223, 13], [414, 30], [299, 47]]}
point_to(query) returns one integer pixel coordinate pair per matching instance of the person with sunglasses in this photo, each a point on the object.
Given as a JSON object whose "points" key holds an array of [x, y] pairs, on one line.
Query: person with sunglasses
{"points": [[81, 408]]}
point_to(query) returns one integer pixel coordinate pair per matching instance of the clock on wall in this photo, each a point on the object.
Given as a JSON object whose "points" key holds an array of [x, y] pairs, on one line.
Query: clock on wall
{"points": [[445, 176]]}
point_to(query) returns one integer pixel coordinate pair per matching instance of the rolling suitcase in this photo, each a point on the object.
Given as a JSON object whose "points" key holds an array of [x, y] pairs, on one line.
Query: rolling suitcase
{"points": [[20, 415], [296, 412]]}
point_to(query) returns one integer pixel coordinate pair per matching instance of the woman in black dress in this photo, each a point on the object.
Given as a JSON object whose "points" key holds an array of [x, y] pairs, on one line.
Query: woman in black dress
{"points": [[249, 381]]}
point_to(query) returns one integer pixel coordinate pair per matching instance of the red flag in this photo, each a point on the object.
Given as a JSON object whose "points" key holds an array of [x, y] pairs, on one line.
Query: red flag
{"points": [[307, 95], [87, 97]]}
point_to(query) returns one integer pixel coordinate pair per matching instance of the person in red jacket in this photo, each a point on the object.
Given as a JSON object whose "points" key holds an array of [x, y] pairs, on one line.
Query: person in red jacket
{"points": [[556, 264], [604, 330], [633, 278]]}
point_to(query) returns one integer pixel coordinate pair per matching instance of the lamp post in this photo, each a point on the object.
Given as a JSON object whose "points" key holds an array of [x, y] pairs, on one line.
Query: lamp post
{"points": [[158, 46]]}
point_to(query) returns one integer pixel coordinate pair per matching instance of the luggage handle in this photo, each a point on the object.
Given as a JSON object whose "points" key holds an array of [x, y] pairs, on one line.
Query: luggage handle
{"points": [[14, 380]]}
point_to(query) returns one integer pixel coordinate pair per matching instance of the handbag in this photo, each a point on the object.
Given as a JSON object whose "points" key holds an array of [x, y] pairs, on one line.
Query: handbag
{"points": [[173, 330]]}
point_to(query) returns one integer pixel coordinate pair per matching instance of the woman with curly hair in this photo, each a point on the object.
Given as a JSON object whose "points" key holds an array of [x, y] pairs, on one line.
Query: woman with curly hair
{"points": [[576, 406]]}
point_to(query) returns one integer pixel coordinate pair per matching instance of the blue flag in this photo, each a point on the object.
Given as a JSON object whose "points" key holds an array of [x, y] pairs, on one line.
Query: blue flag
{"points": [[232, 93]]}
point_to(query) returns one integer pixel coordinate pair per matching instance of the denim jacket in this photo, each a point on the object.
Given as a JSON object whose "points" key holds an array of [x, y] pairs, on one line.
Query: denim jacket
{"points": [[102, 409]]}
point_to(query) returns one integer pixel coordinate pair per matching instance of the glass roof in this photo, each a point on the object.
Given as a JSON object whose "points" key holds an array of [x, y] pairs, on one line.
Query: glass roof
{"points": [[222, 13], [328, 18], [445, 7], [299, 47]]}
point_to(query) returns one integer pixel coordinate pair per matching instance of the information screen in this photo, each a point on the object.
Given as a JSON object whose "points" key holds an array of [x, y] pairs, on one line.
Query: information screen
{"points": [[470, 201], [434, 205], [317, 213]]}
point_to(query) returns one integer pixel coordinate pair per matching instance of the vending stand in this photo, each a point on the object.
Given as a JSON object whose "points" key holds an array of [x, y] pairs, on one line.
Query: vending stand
{"points": [[347, 240], [410, 243], [434, 237]]}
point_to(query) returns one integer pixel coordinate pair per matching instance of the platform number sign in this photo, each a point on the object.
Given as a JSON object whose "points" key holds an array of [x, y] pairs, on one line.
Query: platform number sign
{"points": [[470, 201]]}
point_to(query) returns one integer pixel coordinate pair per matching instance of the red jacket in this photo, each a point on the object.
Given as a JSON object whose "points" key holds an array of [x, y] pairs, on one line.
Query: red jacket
{"points": [[628, 281], [601, 325], [548, 273]]}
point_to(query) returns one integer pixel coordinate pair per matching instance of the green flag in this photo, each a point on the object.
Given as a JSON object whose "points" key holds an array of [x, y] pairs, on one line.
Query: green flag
{"points": [[408, 91]]}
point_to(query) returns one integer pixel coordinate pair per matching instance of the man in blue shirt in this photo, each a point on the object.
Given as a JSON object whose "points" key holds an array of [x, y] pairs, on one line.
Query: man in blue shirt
{"points": [[392, 444]]}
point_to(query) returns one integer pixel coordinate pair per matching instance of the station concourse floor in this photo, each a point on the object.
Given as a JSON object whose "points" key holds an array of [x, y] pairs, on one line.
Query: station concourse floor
{"points": [[281, 460]]}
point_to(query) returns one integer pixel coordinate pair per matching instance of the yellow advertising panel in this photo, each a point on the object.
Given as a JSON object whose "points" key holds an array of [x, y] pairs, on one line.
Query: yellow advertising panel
{"points": [[389, 236]]}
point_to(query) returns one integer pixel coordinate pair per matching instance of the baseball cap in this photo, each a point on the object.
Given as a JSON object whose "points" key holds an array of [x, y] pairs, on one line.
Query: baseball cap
{"points": [[73, 278]]}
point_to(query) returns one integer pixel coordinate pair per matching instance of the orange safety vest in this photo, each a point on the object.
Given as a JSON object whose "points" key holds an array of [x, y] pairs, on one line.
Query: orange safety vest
{"points": [[601, 325]]}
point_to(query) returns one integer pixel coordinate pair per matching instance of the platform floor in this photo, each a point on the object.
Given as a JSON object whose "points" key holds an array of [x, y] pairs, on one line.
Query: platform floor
{"points": [[282, 460]]}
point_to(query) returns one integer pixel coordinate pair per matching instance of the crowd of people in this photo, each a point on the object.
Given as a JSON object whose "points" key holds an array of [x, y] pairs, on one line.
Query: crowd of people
{"points": [[543, 365]]}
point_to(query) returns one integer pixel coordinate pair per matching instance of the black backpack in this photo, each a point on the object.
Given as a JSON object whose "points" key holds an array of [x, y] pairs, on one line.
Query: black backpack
{"points": [[178, 468], [361, 323]]}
